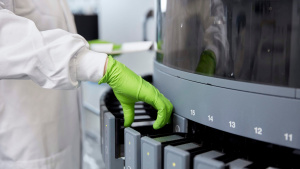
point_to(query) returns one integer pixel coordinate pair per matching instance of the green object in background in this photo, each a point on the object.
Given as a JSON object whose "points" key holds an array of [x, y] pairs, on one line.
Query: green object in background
{"points": [[129, 88], [159, 44], [207, 63], [115, 46], [97, 41], [159, 53]]}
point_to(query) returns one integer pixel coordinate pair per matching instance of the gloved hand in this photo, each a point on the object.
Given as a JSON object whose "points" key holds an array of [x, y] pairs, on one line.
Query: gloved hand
{"points": [[207, 63], [130, 88]]}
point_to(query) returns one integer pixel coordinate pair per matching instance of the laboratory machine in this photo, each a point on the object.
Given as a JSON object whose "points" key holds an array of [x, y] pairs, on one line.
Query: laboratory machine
{"points": [[231, 69]]}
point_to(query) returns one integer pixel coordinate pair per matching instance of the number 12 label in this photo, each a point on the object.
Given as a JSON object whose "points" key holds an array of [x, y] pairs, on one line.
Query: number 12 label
{"points": [[258, 130]]}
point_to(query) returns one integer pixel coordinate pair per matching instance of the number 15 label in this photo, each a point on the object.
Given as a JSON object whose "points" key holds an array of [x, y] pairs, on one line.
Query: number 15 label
{"points": [[193, 112]]}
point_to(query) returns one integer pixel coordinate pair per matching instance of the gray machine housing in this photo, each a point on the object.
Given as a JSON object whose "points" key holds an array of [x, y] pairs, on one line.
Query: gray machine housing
{"points": [[150, 153], [176, 158], [132, 150], [109, 143], [134, 144], [261, 112]]}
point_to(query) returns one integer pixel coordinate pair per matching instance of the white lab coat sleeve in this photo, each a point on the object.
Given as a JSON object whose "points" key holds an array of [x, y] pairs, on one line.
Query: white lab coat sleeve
{"points": [[53, 59]]}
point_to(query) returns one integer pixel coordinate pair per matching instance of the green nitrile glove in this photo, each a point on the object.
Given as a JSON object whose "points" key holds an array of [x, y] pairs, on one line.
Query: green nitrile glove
{"points": [[130, 88], [207, 63]]}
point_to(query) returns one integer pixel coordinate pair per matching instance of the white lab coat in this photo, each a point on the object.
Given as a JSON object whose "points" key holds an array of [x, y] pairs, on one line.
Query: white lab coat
{"points": [[40, 128]]}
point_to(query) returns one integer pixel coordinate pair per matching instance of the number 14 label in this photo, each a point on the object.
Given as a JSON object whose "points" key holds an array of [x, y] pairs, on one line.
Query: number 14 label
{"points": [[210, 118]]}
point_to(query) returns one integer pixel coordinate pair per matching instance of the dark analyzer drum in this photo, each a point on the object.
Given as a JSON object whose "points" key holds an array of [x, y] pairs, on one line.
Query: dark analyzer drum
{"points": [[243, 40], [231, 68]]}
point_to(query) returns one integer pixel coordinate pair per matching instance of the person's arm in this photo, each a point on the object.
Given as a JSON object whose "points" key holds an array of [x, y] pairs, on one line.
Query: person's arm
{"points": [[105, 66], [52, 59], [57, 59]]}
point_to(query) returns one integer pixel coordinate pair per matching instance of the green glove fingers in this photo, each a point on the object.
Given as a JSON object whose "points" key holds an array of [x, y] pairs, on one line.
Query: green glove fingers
{"points": [[207, 63], [128, 110], [169, 110], [151, 95], [130, 88], [164, 108]]}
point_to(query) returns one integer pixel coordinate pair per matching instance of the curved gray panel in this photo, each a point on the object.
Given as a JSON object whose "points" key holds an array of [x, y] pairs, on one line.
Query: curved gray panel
{"points": [[230, 84], [298, 93], [257, 116]]}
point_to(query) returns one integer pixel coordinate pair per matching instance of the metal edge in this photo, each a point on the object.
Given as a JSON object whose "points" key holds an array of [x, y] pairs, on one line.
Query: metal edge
{"points": [[157, 144], [133, 132], [185, 123], [112, 161], [103, 109], [175, 150], [230, 84], [298, 93], [207, 162]]}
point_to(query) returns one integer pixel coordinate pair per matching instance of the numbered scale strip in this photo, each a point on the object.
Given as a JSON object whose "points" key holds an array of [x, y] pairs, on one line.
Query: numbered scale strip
{"points": [[261, 117], [256, 130]]}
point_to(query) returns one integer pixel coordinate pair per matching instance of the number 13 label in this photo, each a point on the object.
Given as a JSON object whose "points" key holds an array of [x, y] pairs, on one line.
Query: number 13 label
{"points": [[232, 124]]}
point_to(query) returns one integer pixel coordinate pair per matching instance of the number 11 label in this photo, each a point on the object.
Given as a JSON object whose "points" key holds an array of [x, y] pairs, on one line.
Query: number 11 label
{"points": [[288, 137]]}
